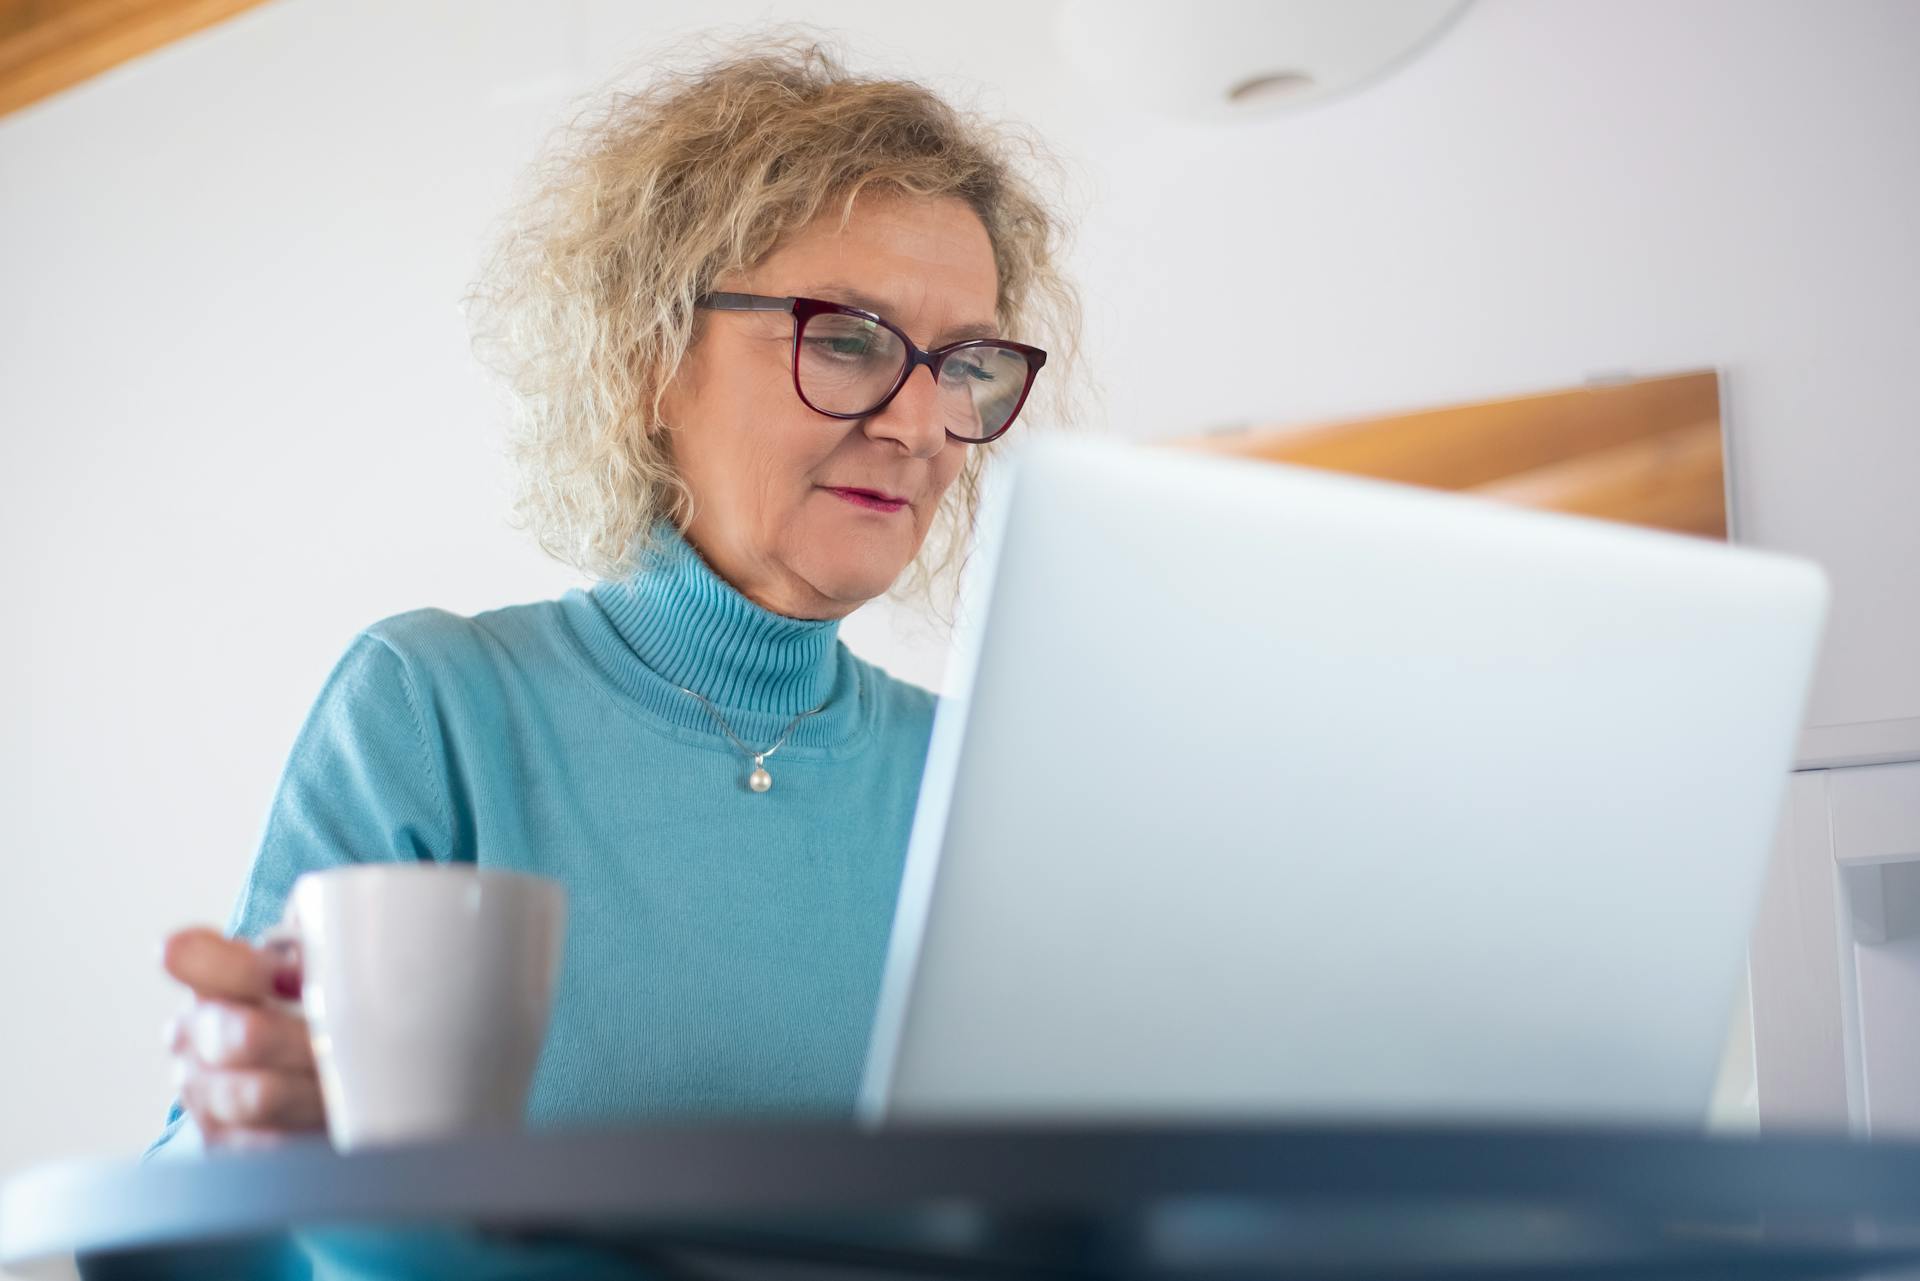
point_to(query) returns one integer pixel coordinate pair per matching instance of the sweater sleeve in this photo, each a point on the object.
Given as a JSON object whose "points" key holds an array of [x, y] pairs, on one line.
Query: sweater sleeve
{"points": [[362, 784]]}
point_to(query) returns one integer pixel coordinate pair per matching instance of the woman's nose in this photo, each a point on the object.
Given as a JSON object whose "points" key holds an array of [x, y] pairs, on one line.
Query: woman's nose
{"points": [[912, 417]]}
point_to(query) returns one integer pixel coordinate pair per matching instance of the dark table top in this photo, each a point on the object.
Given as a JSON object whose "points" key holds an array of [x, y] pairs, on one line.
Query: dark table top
{"points": [[1346, 1201]]}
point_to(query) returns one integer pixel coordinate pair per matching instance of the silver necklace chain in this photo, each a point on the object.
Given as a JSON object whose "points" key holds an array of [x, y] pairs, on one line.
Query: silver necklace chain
{"points": [[759, 780]]}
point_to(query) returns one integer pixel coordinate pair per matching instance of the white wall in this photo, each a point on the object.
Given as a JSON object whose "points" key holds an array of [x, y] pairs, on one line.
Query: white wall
{"points": [[238, 419]]}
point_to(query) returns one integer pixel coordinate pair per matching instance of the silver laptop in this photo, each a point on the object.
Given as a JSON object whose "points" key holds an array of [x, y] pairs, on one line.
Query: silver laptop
{"points": [[1266, 793]]}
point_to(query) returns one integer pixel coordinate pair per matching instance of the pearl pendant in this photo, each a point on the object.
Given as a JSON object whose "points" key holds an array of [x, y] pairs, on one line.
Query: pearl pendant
{"points": [[759, 780]]}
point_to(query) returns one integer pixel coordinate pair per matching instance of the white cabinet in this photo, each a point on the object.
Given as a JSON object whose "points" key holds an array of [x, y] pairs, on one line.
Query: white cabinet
{"points": [[1835, 955]]}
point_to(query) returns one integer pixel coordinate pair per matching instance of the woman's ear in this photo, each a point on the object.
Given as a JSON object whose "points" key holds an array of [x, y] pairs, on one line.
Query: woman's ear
{"points": [[682, 383]]}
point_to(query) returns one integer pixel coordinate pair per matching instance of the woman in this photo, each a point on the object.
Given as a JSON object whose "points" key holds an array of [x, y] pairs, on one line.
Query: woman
{"points": [[763, 326]]}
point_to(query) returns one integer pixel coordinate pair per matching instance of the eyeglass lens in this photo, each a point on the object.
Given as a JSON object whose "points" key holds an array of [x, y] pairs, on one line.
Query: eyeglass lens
{"points": [[847, 365]]}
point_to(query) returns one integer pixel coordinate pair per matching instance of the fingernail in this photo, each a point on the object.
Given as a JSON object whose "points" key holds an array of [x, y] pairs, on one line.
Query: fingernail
{"points": [[286, 984]]}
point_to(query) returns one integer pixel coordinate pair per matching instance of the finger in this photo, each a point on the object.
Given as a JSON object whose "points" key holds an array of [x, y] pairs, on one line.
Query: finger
{"points": [[224, 1099], [222, 1034], [219, 967]]}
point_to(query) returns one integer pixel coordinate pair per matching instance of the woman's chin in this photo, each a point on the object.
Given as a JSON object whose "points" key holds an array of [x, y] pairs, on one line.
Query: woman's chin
{"points": [[850, 580], [850, 563], [854, 587]]}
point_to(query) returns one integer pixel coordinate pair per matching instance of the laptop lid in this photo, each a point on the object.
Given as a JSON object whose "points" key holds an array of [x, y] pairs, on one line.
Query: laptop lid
{"points": [[1261, 792]]}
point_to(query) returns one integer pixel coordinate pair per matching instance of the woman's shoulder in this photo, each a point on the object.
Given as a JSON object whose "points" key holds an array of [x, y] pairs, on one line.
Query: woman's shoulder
{"points": [[432, 636], [439, 650]]}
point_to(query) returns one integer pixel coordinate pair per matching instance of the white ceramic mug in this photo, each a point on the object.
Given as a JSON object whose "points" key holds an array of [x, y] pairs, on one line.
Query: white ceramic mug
{"points": [[426, 989]]}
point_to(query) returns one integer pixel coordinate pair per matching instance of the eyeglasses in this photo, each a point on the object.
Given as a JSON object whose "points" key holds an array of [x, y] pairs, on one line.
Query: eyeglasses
{"points": [[849, 363]]}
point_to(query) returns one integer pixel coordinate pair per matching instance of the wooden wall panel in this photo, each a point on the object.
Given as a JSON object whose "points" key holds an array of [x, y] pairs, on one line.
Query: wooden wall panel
{"points": [[1648, 452], [50, 45]]}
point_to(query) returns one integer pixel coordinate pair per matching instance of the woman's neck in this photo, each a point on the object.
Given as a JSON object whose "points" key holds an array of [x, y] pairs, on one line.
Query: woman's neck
{"points": [[695, 629]]}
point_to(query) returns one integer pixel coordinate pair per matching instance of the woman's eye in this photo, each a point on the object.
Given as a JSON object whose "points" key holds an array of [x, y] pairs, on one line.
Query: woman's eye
{"points": [[977, 372]]}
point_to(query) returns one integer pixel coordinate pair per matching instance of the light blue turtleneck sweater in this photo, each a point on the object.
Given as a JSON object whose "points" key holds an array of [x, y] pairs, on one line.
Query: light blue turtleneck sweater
{"points": [[724, 947]]}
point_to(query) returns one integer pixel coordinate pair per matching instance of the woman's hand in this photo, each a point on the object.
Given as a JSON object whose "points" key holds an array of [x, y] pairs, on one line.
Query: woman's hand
{"points": [[243, 1066]]}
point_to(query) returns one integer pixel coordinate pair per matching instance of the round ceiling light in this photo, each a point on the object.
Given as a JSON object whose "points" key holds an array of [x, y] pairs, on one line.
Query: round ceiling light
{"points": [[1231, 59]]}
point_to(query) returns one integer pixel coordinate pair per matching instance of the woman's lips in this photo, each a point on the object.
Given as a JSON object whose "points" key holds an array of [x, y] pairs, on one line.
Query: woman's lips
{"points": [[868, 499]]}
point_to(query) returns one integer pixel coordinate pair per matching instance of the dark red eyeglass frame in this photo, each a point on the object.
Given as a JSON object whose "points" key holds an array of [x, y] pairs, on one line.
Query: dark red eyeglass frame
{"points": [[804, 309]]}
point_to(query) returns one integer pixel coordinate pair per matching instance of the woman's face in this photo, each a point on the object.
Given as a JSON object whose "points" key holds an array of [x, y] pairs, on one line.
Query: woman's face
{"points": [[763, 467]]}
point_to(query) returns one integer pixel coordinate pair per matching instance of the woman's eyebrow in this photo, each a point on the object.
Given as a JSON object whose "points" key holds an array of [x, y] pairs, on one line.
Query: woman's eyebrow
{"points": [[848, 296]]}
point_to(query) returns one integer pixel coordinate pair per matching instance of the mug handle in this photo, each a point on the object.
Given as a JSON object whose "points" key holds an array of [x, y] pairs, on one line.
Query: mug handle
{"points": [[283, 941]]}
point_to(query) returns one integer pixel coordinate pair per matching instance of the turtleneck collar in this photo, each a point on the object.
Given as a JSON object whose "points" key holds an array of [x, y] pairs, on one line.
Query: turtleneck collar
{"points": [[691, 628]]}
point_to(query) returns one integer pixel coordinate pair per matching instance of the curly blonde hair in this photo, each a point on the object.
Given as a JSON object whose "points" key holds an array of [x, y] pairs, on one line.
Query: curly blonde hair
{"points": [[586, 308]]}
